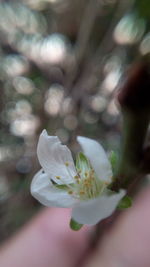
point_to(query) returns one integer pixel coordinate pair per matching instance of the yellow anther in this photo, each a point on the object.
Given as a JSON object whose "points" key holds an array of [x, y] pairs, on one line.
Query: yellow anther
{"points": [[70, 192], [58, 177], [76, 177], [86, 181], [67, 163], [82, 192], [86, 174], [87, 184]]}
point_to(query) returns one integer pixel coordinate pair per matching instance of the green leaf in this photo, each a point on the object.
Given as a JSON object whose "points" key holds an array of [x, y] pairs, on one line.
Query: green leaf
{"points": [[125, 202], [75, 225]]}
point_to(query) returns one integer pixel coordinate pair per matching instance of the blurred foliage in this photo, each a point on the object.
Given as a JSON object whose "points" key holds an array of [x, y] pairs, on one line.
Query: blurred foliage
{"points": [[143, 8], [61, 61]]}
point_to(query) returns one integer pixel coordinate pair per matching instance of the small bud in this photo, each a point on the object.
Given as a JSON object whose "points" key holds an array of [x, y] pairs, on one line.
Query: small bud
{"points": [[75, 225], [125, 202]]}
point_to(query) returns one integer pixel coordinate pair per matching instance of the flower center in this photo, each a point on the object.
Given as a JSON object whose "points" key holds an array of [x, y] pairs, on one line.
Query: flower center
{"points": [[86, 185]]}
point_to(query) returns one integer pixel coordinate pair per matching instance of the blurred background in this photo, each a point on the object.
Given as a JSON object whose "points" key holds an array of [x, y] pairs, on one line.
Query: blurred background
{"points": [[60, 64]]}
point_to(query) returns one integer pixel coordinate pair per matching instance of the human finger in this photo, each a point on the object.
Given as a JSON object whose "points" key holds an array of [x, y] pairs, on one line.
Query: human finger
{"points": [[46, 241], [128, 243]]}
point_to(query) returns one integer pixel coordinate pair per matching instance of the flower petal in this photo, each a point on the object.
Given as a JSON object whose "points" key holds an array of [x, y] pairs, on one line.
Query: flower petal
{"points": [[55, 159], [43, 190], [95, 210], [97, 156]]}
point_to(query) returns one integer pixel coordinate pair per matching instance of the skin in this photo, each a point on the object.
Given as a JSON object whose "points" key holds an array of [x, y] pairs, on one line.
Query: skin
{"points": [[47, 241]]}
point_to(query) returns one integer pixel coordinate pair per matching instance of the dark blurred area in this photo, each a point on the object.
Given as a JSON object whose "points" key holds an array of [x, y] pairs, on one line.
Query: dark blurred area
{"points": [[60, 64]]}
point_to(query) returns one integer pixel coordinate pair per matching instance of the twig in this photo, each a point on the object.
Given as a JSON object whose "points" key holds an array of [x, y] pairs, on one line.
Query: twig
{"points": [[107, 44], [82, 42], [91, 11]]}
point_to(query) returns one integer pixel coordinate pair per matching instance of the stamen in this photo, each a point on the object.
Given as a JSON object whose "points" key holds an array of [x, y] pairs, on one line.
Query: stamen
{"points": [[86, 185], [69, 170], [67, 185]]}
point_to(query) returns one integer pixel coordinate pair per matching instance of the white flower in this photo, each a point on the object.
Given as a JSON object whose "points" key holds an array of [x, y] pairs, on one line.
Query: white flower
{"points": [[84, 187]]}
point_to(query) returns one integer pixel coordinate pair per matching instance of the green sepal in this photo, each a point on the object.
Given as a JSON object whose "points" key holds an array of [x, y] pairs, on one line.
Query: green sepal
{"points": [[82, 163], [62, 186], [113, 158], [125, 202], [75, 225]]}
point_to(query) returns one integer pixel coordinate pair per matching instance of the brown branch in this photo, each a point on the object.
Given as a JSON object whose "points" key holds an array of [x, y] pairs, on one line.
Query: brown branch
{"points": [[134, 99]]}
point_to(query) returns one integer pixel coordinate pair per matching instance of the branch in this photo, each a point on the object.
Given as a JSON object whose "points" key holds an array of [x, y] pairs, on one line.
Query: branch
{"points": [[134, 99]]}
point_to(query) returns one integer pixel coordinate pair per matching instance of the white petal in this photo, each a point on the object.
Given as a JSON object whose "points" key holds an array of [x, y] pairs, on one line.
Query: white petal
{"points": [[97, 156], [43, 190], [52, 156], [95, 210]]}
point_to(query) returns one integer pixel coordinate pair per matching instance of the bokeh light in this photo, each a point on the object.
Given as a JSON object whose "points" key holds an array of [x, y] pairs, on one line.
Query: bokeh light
{"points": [[129, 30], [145, 45], [53, 99]]}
